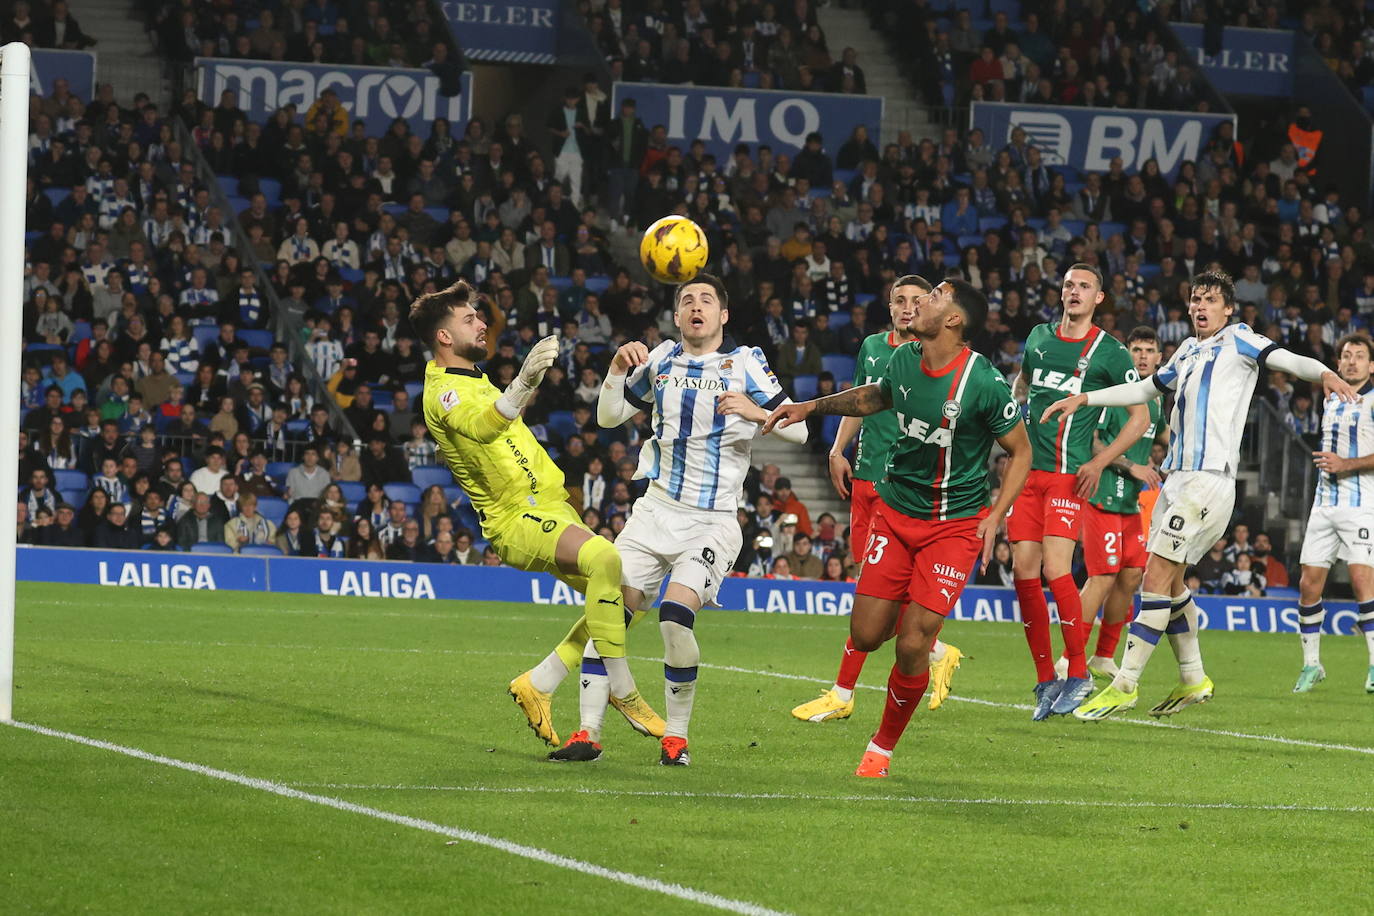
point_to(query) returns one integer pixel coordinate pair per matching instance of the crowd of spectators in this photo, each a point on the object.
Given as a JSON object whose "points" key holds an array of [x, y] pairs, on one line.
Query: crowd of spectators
{"points": [[147, 327]]}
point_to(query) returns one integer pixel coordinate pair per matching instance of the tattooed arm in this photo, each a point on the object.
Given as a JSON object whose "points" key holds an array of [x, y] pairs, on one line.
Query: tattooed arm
{"points": [[856, 402]]}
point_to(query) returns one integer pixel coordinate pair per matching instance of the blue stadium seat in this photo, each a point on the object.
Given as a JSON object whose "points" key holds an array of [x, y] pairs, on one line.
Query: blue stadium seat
{"points": [[561, 422], [454, 495], [352, 490], [405, 492], [271, 189], [413, 389], [185, 378], [273, 509], [70, 480], [438, 214], [81, 330], [350, 276], [1149, 271], [260, 550], [57, 195], [864, 298], [394, 209], [1036, 222], [31, 237], [752, 80], [1075, 226], [466, 517], [1107, 230], [258, 340], [839, 320], [382, 399], [278, 470], [296, 427], [560, 283], [991, 222], [845, 175], [238, 204], [803, 387], [203, 334], [839, 365], [75, 498], [163, 423], [430, 475], [830, 428], [598, 284], [229, 184], [969, 240], [1368, 93], [211, 547]]}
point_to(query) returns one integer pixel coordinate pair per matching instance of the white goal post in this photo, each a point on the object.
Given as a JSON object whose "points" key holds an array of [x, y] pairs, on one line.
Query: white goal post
{"points": [[14, 156]]}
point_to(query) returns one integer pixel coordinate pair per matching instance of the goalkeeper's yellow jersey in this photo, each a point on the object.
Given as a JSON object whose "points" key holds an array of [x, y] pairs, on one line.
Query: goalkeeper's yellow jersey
{"points": [[497, 462]]}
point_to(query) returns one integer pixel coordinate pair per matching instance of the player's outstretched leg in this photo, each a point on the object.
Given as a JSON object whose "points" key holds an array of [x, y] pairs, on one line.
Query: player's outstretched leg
{"points": [[837, 702], [681, 655], [1143, 636], [1366, 625], [1310, 619], [1194, 686], [906, 684]]}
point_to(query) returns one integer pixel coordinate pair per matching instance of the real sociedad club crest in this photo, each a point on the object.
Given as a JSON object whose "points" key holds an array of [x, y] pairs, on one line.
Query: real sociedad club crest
{"points": [[661, 379], [951, 410]]}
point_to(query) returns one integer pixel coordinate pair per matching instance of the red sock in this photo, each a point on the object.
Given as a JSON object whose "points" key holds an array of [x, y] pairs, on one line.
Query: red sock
{"points": [[851, 663], [1087, 628], [1035, 617], [1107, 639], [1071, 623], [904, 694]]}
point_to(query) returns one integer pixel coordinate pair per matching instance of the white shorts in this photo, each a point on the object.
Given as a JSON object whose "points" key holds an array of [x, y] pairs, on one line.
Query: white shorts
{"points": [[1338, 533], [1192, 513], [693, 547]]}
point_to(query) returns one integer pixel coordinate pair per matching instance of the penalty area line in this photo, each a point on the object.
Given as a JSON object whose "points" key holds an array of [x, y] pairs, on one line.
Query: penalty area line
{"points": [[794, 796], [533, 853]]}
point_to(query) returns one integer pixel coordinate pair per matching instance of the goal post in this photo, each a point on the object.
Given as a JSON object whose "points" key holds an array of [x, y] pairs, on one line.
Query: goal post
{"points": [[14, 155]]}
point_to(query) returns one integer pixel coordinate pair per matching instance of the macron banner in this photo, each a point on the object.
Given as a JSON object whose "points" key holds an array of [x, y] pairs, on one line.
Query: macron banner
{"points": [[374, 95], [1251, 61], [1088, 139], [76, 67], [723, 118], [515, 32], [427, 581]]}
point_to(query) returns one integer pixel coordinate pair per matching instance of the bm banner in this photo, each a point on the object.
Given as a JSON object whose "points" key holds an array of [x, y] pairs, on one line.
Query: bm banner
{"points": [[511, 32], [373, 95], [76, 67], [428, 582], [723, 118], [1088, 139], [1249, 62]]}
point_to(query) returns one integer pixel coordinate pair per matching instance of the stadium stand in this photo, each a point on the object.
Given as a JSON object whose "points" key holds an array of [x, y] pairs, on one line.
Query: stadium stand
{"points": [[213, 297]]}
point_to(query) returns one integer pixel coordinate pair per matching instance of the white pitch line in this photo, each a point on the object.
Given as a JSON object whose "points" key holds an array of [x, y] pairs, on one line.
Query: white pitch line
{"points": [[792, 796], [534, 853], [977, 701]]}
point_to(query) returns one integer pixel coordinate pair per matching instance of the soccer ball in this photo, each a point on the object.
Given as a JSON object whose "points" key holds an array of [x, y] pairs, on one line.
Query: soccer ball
{"points": [[673, 250]]}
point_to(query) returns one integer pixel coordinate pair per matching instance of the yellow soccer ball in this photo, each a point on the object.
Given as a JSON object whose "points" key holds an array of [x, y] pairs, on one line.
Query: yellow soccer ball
{"points": [[673, 250]]}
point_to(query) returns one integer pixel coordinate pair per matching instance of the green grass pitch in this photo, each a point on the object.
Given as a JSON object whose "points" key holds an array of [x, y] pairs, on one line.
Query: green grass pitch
{"points": [[401, 706]]}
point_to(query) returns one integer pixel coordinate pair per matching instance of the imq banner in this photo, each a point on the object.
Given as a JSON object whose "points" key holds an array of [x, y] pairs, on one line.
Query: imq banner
{"points": [[76, 67], [723, 118], [374, 95], [515, 32], [1250, 62], [1088, 139]]}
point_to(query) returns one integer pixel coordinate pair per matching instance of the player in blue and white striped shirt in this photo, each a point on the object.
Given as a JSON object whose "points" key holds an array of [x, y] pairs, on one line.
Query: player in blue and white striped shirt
{"points": [[1212, 376], [706, 404], [1341, 524]]}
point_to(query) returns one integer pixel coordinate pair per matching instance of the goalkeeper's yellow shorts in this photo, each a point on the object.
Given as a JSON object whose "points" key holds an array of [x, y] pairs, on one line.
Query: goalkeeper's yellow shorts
{"points": [[529, 540]]}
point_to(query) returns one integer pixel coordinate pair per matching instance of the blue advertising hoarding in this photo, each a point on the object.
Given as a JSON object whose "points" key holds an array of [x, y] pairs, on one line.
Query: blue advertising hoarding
{"points": [[1250, 62], [723, 118], [1088, 139], [76, 67], [424, 581], [517, 32], [374, 95]]}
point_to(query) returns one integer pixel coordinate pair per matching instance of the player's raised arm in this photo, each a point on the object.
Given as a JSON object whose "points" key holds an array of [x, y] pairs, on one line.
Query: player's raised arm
{"points": [[856, 402], [1308, 369], [1126, 394], [1018, 448], [617, 402]]}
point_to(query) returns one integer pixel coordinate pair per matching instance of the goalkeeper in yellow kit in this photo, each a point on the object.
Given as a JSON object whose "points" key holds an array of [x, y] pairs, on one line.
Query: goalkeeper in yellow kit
{"points": [[519, 496]]}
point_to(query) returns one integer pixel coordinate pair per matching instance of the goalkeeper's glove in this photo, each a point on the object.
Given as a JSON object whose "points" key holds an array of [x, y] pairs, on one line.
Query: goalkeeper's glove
{"points": [[521, 390]]}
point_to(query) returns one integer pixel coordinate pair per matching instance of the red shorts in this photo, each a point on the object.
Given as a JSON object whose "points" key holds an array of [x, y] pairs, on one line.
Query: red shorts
{"points": [[910, 559], [1047, 506], [863, 497], [1111, 541]]}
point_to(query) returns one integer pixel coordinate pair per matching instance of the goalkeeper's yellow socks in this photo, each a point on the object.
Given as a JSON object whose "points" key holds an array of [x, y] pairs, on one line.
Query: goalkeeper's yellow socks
{"points": [[599, 562]]}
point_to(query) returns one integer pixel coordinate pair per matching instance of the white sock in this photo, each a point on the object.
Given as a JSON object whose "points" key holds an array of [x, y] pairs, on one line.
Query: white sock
{"points": [[680, 658], [1141, 639], [844, 693], [879, 750], [621, 680], [937, 652], [1366, 624], [548, 674], [1182, 631], [595, 692], [1310, 619]]}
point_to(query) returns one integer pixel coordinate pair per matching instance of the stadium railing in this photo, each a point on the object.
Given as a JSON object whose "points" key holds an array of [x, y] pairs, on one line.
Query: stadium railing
{"points": [[1284, 462]]}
